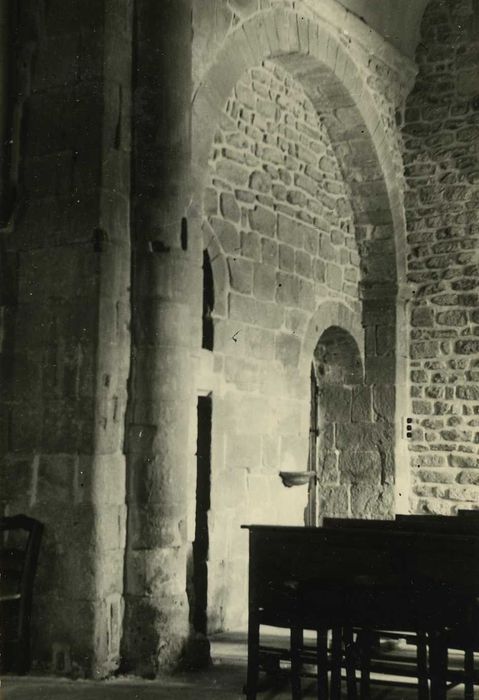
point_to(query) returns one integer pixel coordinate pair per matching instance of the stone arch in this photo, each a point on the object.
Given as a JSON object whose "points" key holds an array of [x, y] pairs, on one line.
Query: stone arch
{"points": [[337, 359], [314, 56], [330, 313], [353, 455]]}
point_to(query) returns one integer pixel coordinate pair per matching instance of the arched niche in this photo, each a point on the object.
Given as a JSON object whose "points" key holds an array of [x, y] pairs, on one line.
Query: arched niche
{"points": [[337, 360], [336, 384]]}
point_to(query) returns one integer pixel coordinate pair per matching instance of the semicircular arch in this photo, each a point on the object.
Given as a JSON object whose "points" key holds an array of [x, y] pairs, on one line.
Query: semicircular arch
{"points": [[326, 70], [329, 313]]}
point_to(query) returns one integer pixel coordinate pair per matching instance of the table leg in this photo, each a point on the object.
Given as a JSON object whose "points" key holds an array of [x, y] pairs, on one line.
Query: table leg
{"points": [[322, 663], [350, 663], [469, 673], [438, 665], [422, 674], [296, 649], [365, 640], [252, 674], [336, 657]]}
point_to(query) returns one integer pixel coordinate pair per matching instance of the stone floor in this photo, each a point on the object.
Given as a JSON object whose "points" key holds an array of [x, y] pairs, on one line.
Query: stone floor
{"points": [[224, 681]]}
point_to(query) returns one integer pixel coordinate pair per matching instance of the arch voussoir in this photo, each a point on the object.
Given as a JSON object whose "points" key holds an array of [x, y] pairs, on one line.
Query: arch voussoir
{"points": [[230, 66], [303, 33], [254, 29], [250, 52], [326, 69], [287, 32], [271, 35], [329, 313]]}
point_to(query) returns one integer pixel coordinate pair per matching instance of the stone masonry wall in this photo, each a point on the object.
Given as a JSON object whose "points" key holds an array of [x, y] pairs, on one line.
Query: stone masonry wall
{"points": [[62, 458], [277, 211], [359, 99], [442, 169]]}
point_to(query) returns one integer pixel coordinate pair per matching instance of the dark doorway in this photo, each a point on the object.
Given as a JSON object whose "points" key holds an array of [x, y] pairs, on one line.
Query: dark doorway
{"points": [[201, 541]]}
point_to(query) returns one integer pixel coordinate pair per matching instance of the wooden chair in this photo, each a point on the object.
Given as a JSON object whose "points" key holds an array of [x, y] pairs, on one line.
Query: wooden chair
{"points": [[283, 601], [287, 607], [19, 549], [465, 636], [368, 638]]}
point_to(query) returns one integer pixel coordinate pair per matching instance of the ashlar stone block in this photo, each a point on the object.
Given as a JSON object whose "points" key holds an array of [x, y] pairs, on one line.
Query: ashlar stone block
{"points": [[263, 220], [335, 401], [287, 349], [229, 207], [264, 286], [372, 501], [361, 404], [241, 275], [334, 501], [384, 402], [287, 291], [358, 467]]}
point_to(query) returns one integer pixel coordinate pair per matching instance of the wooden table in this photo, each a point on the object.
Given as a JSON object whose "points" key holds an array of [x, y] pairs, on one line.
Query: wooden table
{"points": [[383, 577]]}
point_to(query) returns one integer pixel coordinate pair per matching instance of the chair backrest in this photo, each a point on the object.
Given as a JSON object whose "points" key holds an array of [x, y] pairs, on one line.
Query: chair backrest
{"points": [[19, 550], [443, 546], [439, 523], [447, 524], [359, 523]]}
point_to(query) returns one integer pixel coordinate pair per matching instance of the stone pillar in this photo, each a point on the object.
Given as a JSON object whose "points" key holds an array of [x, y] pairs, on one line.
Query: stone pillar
{"points": [[7, 265], [164, 273], [64, 461], [5, 106]]}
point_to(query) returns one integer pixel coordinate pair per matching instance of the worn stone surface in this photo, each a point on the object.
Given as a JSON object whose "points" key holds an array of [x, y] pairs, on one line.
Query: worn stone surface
{"points": [[263, 141], [66, 393], [441, 166], [161, 399], [372, 501]]}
